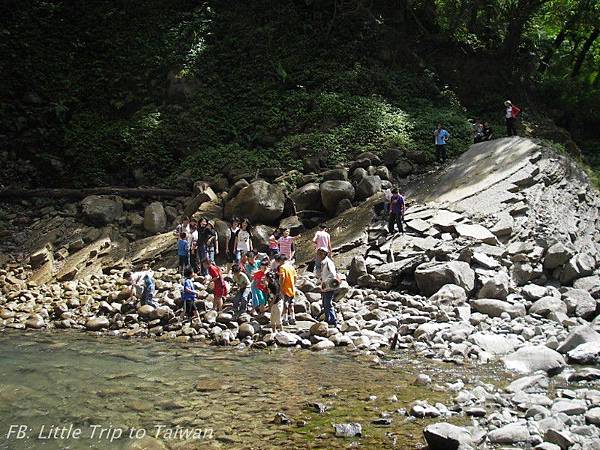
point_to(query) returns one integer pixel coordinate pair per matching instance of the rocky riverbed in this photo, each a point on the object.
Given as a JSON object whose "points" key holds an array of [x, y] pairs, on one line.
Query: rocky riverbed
{"points": [[499, 264]]}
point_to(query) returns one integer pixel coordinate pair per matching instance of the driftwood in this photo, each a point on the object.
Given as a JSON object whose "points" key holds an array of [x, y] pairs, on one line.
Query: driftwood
{"points": [[18, 194]]}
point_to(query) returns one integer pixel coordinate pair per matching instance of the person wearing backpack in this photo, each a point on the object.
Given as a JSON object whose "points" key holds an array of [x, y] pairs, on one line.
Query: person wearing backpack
{"points": [[511, 114]]}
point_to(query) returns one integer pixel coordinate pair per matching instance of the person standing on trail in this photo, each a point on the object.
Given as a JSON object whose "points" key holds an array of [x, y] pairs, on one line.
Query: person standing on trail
{"points": [[322, 239], [397, 206], [511, 114], [441, 136]]}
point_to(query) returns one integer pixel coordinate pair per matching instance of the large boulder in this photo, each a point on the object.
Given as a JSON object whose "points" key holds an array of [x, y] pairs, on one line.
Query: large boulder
{"points": [[578, 266], [449, 295], [588, 353], [494, 343], [445, 436], [580, 335], [203, 194], [101, 209], [547, 305], [369, 185], [556, 256], [580, 303], [308, 197], [532, 358], [476, 233], [357, 269], [333, 192], [260, 202], [431, 276], [155, 218], [496, 286], [495, 308]]}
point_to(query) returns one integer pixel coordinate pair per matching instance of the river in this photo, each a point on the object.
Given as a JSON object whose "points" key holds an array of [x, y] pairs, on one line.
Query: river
{"points": [[71, 390]]}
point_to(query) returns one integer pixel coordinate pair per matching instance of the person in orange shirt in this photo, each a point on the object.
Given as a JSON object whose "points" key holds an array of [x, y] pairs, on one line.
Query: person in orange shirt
{"points": [[287, 281]]}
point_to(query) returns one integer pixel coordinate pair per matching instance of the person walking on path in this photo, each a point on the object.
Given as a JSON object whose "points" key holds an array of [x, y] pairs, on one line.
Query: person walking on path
{"points": [[397, 207], [441, 136], [329, 284], [219, 288], [511, 114]]}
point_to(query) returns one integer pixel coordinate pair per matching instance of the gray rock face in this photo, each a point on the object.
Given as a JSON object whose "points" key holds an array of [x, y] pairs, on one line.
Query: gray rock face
{"points": [[580, 303], [369, 185], [580, 335], [590, 284], [495, 308], [476, 232], [556, 256], [101, 210], [308, 197], [430, 277], [493, 343], [155, 219], [445, 436], [495, 287], [333, 192], [532, 358], [259, 201]]}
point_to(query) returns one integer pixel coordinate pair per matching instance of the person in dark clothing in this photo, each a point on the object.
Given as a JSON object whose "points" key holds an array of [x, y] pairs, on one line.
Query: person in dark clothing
{"points": [[511, 114], [396, 216], [487, 132]]}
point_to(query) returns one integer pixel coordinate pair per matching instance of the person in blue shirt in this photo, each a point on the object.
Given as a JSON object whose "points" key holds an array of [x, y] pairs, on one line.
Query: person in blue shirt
{"points": [[441, 139], [188, 294], [183, 251]]}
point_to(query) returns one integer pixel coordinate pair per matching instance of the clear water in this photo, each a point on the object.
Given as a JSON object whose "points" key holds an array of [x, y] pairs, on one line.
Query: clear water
{"points": [[227, 398]]}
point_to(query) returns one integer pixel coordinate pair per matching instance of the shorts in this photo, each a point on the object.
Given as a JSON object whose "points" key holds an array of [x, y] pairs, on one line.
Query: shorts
{"points": [[288, 300], [184, 260]]}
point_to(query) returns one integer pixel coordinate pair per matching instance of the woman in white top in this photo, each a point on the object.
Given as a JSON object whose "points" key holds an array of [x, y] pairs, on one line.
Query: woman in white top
{"points": [[243, 240]]}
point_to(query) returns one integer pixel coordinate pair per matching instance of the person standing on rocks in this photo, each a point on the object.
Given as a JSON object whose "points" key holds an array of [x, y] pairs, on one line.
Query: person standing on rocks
{"points": [[234, 228], [142, 286], [219, 287], [183, 227], [329, 284], [287, 289], [243, 294], [193, 244], [188, 295], [260, 290], [275, 301], [243, 240], [212, 241], [274, 243], [511, 114], [322, 239], [441, 136], [397, 207], [183, 251], [286, 244], [201, 243]]}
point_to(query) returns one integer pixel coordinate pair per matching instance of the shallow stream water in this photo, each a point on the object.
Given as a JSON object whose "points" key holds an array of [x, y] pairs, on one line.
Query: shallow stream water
{"points": [[69, 390]]}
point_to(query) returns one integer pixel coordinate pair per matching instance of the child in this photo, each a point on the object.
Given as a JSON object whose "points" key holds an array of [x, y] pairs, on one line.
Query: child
{"points": [[286, 244], [240, 299], [287, 280], [273, 243], [142, 286], [183, 227], [260, 289], [188, 296], [219, 288], [243, 240], [321, 239], [183, 251]]}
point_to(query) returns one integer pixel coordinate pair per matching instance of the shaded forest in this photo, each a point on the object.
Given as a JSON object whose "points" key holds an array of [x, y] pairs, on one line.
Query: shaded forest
{"points": [[162, 93]]}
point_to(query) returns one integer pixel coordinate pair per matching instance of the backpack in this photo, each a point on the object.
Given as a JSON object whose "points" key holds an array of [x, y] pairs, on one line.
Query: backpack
{"points": [[515, 111], [273, 282]]}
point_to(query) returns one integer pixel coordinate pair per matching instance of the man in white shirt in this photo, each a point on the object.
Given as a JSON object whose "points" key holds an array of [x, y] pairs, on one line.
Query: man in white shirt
{"points": [[329, 284]]}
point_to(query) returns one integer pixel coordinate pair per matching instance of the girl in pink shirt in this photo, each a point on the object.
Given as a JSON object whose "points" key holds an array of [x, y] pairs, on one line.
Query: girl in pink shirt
{"points": [[286, 244]]}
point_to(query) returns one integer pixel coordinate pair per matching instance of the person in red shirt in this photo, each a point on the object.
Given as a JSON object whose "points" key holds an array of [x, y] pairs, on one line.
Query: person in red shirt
{"points": [[510, 115], [219, 287]]}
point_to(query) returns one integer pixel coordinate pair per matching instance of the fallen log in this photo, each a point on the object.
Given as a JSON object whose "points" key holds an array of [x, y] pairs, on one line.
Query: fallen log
{"points": [[18, 194]]}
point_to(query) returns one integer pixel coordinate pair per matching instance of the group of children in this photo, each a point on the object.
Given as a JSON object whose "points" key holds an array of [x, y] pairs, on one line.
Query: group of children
{"points": [[260, 282]]}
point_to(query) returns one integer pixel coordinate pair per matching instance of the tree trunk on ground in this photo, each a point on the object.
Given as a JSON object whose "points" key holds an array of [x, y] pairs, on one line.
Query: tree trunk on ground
{"points": [[17, 194], [587, 45]]}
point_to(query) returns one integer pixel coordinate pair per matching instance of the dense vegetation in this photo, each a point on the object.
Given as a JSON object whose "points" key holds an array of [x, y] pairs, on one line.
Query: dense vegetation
{"points": [[151, 92]]}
